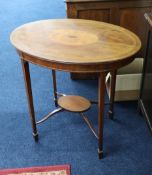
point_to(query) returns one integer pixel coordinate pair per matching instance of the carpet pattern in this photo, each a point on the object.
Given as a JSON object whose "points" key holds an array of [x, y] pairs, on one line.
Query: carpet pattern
{"points": [[61, 172], [46, 170]]}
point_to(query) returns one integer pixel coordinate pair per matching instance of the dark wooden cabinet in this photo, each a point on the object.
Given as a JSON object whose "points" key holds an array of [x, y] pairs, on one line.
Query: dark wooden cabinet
{"points": [[145, 100], [125, 13]]}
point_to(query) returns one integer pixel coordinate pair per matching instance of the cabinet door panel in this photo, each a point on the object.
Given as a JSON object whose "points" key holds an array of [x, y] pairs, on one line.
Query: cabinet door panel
{"points": [[98, 15], [147, 78], [127, 13], [133, 19]]}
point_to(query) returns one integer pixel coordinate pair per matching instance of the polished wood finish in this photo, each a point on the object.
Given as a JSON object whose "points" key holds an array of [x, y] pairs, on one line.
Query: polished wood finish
{"points": [[101, 93], [145, 98], [54, 87], [125, 13], [69, 45], [112, 92], [77, 40], [27, 80], [74, 103], [89, 124]]}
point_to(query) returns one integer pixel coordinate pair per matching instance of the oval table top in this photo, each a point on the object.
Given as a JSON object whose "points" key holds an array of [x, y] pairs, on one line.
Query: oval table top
{"points": [[75, 41]]}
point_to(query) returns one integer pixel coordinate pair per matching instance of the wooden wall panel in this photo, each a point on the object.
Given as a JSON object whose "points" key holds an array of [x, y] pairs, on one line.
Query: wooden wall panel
{"points": [[133, 19]]}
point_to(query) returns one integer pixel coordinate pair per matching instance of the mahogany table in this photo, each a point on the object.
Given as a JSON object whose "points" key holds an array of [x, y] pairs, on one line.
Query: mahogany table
{"points": [[75, 45]]}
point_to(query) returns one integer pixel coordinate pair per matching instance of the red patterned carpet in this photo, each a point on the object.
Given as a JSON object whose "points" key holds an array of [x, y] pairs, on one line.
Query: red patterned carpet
{"points": [[46, 170]]}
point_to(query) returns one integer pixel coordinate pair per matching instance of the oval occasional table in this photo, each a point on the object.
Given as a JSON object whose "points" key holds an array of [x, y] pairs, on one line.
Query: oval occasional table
{"points": [[74, 45]]}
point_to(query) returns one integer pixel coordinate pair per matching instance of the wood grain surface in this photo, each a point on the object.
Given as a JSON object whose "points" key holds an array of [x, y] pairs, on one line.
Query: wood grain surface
{"points": [[75, 41], [74, 103]]}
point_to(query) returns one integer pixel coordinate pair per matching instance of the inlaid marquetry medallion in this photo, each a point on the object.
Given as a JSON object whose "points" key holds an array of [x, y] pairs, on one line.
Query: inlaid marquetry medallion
{"points": [[75, 41]]}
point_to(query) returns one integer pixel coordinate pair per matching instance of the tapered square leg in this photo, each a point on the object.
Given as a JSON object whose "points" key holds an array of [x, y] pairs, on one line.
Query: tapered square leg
{"points": [[112, 93], [101, 93], [27, 80], [54, 87]]}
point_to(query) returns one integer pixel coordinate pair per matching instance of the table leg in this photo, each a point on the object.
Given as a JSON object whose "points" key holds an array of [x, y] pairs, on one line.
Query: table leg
{"points": [[112, 92], [27, 80], [54, 87], [101, 93]]}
